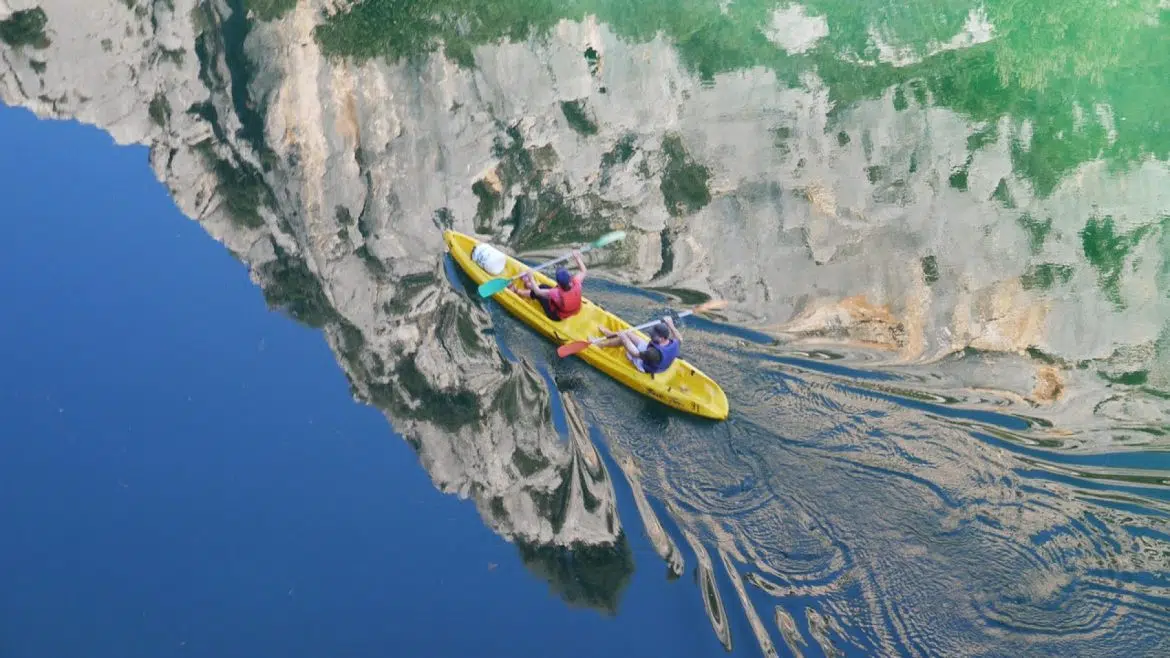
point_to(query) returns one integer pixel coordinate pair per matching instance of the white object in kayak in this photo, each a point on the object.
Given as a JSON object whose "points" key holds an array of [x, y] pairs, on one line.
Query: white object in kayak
{"points": [[489, 258]]}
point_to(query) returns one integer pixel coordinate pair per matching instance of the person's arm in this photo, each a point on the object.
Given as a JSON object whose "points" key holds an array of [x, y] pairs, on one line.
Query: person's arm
{"points": [[515, 287], [533, 289], [673, 330], [580, 266]]}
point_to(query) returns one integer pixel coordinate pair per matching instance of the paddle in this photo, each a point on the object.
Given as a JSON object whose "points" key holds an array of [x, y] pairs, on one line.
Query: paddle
{"points": [[492, 286], [569, 349]]}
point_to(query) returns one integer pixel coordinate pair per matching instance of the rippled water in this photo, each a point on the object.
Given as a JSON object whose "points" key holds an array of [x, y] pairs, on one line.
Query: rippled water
{"points": [[845, 512]]}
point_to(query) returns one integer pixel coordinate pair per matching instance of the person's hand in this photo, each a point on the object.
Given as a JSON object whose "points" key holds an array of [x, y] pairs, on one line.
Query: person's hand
{"points": [[529, 281], [669, 321], [576, 253]]}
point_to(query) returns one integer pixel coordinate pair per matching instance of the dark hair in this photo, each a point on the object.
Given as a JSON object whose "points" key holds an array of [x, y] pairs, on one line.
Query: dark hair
{"points": [[659, 331], [652, 356]]}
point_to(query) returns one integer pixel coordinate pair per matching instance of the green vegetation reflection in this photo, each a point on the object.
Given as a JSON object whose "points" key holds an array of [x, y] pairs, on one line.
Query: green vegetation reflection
{"points": [[267, 10], [583, 575], [25, 28], [1085, 76]]}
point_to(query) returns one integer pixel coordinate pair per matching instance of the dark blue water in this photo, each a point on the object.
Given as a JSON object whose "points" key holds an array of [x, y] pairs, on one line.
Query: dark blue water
{"points": [[184, 473]]}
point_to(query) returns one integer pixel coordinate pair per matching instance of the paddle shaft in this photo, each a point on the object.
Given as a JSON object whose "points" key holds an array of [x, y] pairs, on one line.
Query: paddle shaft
{"points": [[552, 262], [681, 314], [493, 286], [576, 346]]}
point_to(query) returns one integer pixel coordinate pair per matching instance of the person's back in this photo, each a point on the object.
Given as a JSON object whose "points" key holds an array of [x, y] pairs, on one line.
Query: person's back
{"points": [[561, 301], [565, 299], [653, 356], [662, 350]]}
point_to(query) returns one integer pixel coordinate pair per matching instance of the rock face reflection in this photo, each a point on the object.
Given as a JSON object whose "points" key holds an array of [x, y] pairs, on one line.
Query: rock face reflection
{"points": [[317, 231], [842, 174], [886, 182], [480, 424]]}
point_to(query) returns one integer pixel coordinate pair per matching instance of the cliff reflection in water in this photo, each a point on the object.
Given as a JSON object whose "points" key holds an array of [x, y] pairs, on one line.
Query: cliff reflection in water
{"points": [[928, 189], [943, 231], [481, 426]]}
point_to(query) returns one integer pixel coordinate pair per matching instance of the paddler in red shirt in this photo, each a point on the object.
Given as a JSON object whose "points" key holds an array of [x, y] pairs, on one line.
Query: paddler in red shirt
{"points": [[564, 300]]}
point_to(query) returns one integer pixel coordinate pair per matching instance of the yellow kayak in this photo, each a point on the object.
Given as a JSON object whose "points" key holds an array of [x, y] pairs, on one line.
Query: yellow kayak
{"points": [[683, 386]]}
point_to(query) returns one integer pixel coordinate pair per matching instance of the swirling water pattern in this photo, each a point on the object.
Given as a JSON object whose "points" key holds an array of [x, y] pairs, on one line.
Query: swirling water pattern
{"points": [[830, 516]]}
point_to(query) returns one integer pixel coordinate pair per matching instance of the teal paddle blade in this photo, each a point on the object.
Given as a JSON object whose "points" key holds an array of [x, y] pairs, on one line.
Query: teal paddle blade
{"points": [[608, 238], [492, 286]]}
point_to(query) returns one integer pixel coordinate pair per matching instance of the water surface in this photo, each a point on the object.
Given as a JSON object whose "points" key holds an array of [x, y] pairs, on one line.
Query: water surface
{"points": [[942, 228]]}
